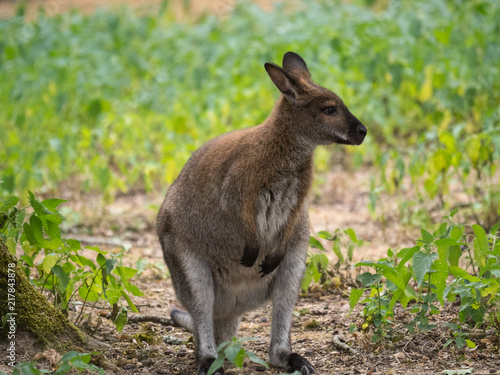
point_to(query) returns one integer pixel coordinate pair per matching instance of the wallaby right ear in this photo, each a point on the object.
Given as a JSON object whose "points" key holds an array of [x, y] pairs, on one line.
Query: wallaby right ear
{"points": [[282, 81]]}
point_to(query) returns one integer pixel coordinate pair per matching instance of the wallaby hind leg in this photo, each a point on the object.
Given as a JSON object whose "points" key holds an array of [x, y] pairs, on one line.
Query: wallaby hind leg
{"points": [[284, 295], [194, 286], [225, 329]]}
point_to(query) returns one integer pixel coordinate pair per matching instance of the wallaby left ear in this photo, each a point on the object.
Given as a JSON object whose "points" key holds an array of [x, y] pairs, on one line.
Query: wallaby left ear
{"points": [[282, 81], [293, 63]]}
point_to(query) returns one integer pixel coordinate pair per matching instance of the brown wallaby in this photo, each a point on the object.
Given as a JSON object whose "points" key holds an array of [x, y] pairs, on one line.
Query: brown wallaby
{"points": [[234, 226]]}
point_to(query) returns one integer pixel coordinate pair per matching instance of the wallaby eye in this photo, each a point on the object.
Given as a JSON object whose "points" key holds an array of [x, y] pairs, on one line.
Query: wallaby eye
{"points": [[330, 110]]}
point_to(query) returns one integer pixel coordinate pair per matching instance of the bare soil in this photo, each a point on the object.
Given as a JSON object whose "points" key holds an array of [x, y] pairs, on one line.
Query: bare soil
{"points": [[153, 348]]}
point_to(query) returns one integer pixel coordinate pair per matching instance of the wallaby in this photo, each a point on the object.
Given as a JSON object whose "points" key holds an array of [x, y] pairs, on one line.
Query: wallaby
{"points": [[234, 226]]}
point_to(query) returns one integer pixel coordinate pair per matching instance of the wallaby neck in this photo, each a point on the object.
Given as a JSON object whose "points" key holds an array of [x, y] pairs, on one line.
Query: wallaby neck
{"points": [[284, 126]]}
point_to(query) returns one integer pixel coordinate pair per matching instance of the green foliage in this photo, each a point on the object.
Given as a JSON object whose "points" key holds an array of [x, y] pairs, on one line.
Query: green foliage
{"points": [[430, 264], [234, 353], [317, 264], [118, 109], [56, 265], [68, 362]]}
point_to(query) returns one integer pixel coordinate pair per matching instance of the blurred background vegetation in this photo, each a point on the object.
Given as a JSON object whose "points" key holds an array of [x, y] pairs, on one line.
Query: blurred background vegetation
{"points": [[115, 101]]}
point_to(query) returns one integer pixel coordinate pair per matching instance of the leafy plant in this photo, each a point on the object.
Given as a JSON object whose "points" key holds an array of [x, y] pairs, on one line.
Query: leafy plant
{"points": [[317, 264], [68, 362], [434, 119], [57, 266], [234, 353], [430, 263]]}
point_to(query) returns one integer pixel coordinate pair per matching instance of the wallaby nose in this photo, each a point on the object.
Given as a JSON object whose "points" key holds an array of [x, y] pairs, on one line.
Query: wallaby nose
{"points": [[362, 130]]}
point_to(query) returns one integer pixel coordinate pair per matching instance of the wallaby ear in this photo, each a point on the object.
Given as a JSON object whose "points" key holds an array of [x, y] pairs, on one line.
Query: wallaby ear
{"points": [[282, 80], [293, 63]]}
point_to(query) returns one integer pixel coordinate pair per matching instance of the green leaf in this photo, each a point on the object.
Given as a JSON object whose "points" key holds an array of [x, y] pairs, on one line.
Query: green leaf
{"points": [[27, 259], [337, 251], [308, 276], [354, 297], [101, 260], [64, 368], [52, 203], [30, 235], [350, 251], [39, 208], [129, 302], [326, 235], [366, 263], [218, 363], [368, 279], [256, 359], [89, 293], [240, 358], [406, 254], [313, 242], [470, 344], [69, 356], [110, 264], [426, 236], [352, 235], [392, 276], [221, 346], [84, 261], [422, 263], [74, 244], [48, 262], [96, 249], [460, 341], [134, 290], [11, 246], [460, 273], [439, 278], [494, 228], [125, 273], [479, 256], [63, 277], [454, 254], [121, 319], [482, 239], [446, 242], [8, 203]]}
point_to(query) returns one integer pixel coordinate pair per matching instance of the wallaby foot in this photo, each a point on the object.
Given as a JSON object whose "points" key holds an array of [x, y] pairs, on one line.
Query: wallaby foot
{"points": [[270, 263], [250, 255], [300, 364], [205, 364]]}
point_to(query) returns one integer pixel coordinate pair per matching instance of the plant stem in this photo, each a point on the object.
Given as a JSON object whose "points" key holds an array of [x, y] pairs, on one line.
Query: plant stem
{"points": [[378, 299], [85, 300]]}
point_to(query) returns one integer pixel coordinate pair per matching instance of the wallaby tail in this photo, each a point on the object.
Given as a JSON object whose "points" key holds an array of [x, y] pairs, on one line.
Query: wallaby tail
{"points": [[182, 318]]}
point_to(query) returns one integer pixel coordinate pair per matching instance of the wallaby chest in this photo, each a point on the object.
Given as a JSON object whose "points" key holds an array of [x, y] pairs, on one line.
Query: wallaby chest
{"points": [[275, 205]]}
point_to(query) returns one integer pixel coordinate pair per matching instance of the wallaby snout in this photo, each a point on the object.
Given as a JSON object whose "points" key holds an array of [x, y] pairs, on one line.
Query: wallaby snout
{"points": [[357, 131]]}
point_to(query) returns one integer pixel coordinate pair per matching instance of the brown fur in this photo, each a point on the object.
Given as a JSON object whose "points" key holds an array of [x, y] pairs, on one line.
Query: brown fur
{"points": [[234, 225]]}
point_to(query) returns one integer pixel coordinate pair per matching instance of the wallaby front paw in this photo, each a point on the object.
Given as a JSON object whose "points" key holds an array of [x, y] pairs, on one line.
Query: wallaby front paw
{"points": [[250, 255], [205, 364], [300, 364], [269, 265]]}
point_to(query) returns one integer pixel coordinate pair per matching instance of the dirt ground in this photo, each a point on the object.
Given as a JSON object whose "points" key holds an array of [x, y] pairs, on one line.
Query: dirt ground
{"points": [[166, 349]]}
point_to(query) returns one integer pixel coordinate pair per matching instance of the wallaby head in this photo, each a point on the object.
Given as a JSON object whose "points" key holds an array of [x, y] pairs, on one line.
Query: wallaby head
{"points": [[321, 117]]}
